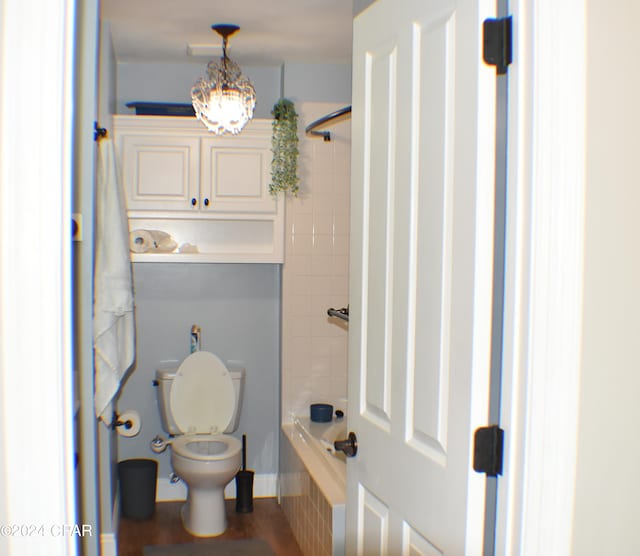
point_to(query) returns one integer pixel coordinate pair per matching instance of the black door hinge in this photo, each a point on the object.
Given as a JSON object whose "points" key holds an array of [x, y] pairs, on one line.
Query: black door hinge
{"points": [[496, 38], [487, 450]]}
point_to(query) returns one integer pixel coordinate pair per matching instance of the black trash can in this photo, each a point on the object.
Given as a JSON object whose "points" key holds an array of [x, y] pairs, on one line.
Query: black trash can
{"points": [[137, 479]]}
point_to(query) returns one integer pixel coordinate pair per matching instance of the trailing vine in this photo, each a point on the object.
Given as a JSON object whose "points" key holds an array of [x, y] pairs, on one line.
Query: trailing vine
{"points": [[284, 146]]}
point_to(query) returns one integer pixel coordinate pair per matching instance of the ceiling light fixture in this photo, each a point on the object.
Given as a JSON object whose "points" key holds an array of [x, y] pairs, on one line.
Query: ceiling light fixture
{"points": [[225, 101]]}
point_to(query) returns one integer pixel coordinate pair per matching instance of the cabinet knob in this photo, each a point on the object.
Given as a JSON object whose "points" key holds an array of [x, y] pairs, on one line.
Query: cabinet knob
{"points": [[194, 202], [206, 202]]}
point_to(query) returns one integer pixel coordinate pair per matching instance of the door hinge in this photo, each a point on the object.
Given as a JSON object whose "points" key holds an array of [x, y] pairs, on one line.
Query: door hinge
{"points": [[496, 39], [487, 450]]}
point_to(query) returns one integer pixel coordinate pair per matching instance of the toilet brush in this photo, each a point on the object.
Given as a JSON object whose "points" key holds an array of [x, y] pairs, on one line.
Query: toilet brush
{"points": [[244, 483]]}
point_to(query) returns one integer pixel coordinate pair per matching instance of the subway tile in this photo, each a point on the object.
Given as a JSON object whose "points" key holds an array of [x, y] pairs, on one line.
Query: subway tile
{"points": [[341, 187], [340, 265], [301, 366], [338, 286], [321, 326], [322, 265], [323, 158], [323, 222], [301, 244], [302, 204], [301, 326], [320, 346], [338, 387], [295, 267], [322, 182], [341, 222], [302, 286], [324, 202], [302, 224], [298, 306], [341, 244], [323, 244], [321, 367], [342, 161], [338, 347], [322, 390], [321, 285], [319, 306]]}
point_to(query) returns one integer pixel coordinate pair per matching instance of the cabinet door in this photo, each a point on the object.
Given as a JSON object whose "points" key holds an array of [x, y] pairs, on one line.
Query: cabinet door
{"points": [[161, 173], [236, 173]]}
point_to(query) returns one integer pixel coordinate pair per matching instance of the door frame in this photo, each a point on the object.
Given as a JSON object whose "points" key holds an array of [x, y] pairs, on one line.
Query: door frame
{"points": [[36, 378], [539, 408], [543, 307]]}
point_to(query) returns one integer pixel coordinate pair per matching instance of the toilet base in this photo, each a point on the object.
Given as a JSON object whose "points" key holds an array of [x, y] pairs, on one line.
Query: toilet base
{"points": [[204, 513]]}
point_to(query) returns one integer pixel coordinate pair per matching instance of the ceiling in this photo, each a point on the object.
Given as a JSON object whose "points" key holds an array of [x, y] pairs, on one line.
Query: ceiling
{"points": [[272, 32]]}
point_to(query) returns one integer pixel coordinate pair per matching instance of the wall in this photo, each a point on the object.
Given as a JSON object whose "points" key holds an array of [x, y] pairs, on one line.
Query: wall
{"points": [[153, 82], [172, 83], [607, 486], [107, 446], [238, 309], [318, 82], [360, 5], [95, 496], [316, 269]]}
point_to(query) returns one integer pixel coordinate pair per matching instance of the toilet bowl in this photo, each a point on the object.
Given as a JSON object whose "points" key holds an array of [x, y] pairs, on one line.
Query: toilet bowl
{"points": [[200, 404]]}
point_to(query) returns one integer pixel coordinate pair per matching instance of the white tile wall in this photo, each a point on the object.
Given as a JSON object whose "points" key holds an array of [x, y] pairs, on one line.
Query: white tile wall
{"points": [[316, 269]]}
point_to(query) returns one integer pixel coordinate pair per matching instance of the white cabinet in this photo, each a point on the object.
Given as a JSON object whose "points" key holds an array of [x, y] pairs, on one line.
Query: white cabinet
{"points": [[235, 174], [160, 172], [205, 190]]}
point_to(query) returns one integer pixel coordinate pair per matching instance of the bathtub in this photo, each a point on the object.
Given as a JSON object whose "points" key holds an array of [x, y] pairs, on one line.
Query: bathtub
{"points": [[312, 484]]}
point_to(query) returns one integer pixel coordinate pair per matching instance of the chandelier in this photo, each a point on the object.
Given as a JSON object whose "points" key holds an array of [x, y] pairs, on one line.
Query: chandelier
{"points": [[225, 101]]}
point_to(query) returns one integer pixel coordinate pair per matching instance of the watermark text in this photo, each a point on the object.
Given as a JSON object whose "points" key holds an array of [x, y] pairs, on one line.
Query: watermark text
{"points": [[42, 530]]}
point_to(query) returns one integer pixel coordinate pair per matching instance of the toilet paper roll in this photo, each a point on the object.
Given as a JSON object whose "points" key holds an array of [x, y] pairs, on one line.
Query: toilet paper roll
{"points": [[146, 241], [130, 423], [141, 241]]}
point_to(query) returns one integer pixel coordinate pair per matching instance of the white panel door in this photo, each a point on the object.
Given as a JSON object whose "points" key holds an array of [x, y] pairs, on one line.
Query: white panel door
{"points": [[421, 277]]}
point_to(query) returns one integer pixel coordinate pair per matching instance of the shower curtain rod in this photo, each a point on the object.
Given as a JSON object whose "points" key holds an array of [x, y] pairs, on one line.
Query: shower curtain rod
{"points": [[326, 135]]}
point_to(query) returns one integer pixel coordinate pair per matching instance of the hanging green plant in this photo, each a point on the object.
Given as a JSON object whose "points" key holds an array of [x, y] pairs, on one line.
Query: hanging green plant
{"points": [[284, 146]]}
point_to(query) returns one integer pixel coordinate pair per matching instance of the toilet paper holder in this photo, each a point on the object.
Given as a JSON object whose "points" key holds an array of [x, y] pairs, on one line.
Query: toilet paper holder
{"points": [[117, 422]]}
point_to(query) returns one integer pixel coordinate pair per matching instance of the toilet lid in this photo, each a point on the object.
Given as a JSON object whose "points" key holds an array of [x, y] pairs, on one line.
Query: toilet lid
{"points": [[202, 397]]}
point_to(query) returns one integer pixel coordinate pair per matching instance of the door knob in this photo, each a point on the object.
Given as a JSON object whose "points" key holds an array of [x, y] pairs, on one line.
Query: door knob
{"points": [[349, 445], [194, 202], [206, 202]]}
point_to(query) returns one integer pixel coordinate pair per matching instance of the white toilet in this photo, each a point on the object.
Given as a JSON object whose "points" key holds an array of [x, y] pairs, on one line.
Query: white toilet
{"points": [[199, 405]]}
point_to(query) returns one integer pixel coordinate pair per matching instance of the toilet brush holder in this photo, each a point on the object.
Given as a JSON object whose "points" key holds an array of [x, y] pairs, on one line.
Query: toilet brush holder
{"points": [[244, 484], [244, 492]]}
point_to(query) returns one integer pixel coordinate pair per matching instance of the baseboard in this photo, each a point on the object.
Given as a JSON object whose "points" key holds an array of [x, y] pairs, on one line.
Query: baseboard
{"points": [[108, 544], [109, 541], [264, 486]]}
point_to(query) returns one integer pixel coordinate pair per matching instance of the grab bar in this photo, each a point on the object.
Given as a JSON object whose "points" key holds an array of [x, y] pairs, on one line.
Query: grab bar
{"points": [[339, 313], [310, 129]]}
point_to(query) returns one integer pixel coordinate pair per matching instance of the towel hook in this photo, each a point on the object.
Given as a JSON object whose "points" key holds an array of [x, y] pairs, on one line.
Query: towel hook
{"points": [[99, 132]]}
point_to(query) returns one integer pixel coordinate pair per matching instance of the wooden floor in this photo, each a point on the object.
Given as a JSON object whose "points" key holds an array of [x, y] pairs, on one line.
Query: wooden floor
{"points": [[267, 521]]}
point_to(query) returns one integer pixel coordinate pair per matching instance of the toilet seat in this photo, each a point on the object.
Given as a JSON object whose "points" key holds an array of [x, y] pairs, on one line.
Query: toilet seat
{"points": [[206, 447], [202, 397]]}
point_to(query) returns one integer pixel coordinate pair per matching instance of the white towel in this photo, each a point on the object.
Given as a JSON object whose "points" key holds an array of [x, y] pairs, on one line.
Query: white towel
{"points": [[113, 317]]}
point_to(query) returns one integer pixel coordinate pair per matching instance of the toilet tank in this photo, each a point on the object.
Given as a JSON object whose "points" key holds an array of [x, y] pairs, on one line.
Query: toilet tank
{"points": [[164, 378]]}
